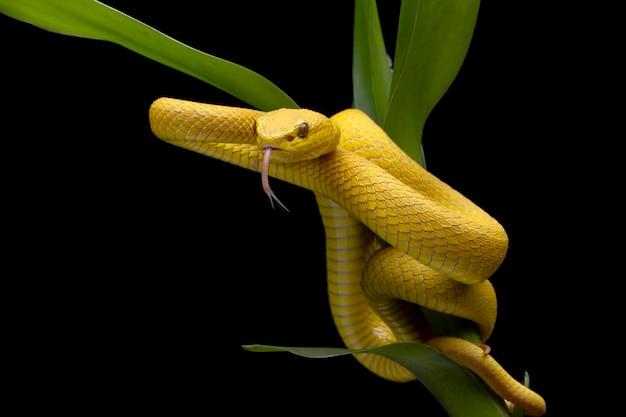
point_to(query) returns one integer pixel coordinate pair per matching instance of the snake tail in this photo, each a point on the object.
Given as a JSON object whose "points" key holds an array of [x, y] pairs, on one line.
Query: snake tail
{"points": [[474, 358]]}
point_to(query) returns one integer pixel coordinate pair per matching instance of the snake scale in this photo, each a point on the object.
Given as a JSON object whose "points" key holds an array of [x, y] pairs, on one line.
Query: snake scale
{"points": [[438, 249]]}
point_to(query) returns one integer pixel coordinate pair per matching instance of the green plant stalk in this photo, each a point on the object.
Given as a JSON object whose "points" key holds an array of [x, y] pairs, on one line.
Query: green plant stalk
{"points": [[420, 77], [400, 101], [372, 84]]}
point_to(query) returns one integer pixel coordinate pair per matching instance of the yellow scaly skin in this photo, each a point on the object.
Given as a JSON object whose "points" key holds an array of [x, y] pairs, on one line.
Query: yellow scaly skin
{"points": [[442, 248]]}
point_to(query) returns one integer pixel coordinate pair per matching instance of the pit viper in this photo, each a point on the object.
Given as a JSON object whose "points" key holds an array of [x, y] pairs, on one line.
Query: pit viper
{"points": [[396, 236]]}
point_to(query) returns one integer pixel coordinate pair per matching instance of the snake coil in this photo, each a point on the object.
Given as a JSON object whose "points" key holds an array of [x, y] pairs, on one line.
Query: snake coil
{"points": [[441, 249]]}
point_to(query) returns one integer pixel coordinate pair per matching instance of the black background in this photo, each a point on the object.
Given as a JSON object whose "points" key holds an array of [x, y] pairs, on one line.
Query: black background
{"points": [[143, 267]]}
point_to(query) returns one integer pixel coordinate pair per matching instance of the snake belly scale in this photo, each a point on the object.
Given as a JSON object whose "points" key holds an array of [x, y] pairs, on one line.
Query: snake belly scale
{"points": [[441, 248]]}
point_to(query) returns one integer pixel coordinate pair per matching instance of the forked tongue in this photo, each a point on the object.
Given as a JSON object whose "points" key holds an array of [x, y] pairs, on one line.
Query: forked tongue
{"points": [[265, 180]]}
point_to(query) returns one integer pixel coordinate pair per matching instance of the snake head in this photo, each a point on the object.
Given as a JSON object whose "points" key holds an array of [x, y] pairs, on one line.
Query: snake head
{"points": [[295, 135]]}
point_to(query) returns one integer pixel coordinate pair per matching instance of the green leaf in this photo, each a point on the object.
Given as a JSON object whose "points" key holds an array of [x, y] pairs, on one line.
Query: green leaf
{"points": [[92, 19], [433, 39], [460, 392], [371, 73], [431, 45]]}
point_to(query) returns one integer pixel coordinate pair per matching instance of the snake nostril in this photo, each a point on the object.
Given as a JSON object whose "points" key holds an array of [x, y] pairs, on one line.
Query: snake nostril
{"points": [[289, 138]]}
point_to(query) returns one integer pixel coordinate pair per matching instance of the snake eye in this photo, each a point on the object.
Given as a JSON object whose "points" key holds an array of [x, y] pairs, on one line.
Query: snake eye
{"points": [[303, 130]]}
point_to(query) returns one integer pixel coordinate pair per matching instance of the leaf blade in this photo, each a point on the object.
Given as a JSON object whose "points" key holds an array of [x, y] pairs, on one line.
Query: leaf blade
{"points": [[95, 20], [459, 391], [432, 42], [371, 74]]}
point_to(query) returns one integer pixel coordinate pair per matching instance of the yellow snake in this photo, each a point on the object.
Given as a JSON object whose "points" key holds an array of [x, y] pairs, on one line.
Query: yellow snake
{"points": [[441, 247]]}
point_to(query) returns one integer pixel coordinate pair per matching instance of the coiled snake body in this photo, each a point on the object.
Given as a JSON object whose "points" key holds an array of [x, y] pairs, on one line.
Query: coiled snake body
{"points": [[441, 247]]}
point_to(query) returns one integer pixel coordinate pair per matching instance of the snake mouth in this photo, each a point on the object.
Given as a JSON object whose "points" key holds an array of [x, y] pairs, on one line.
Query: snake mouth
{"points": [[265, 177]]}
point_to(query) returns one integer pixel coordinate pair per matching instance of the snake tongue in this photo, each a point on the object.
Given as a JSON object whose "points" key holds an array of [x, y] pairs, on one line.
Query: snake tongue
{"points": [[265, 180]]}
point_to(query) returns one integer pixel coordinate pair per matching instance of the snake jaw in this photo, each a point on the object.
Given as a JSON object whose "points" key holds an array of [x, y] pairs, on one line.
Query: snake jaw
{"points": [[265, 180]]}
